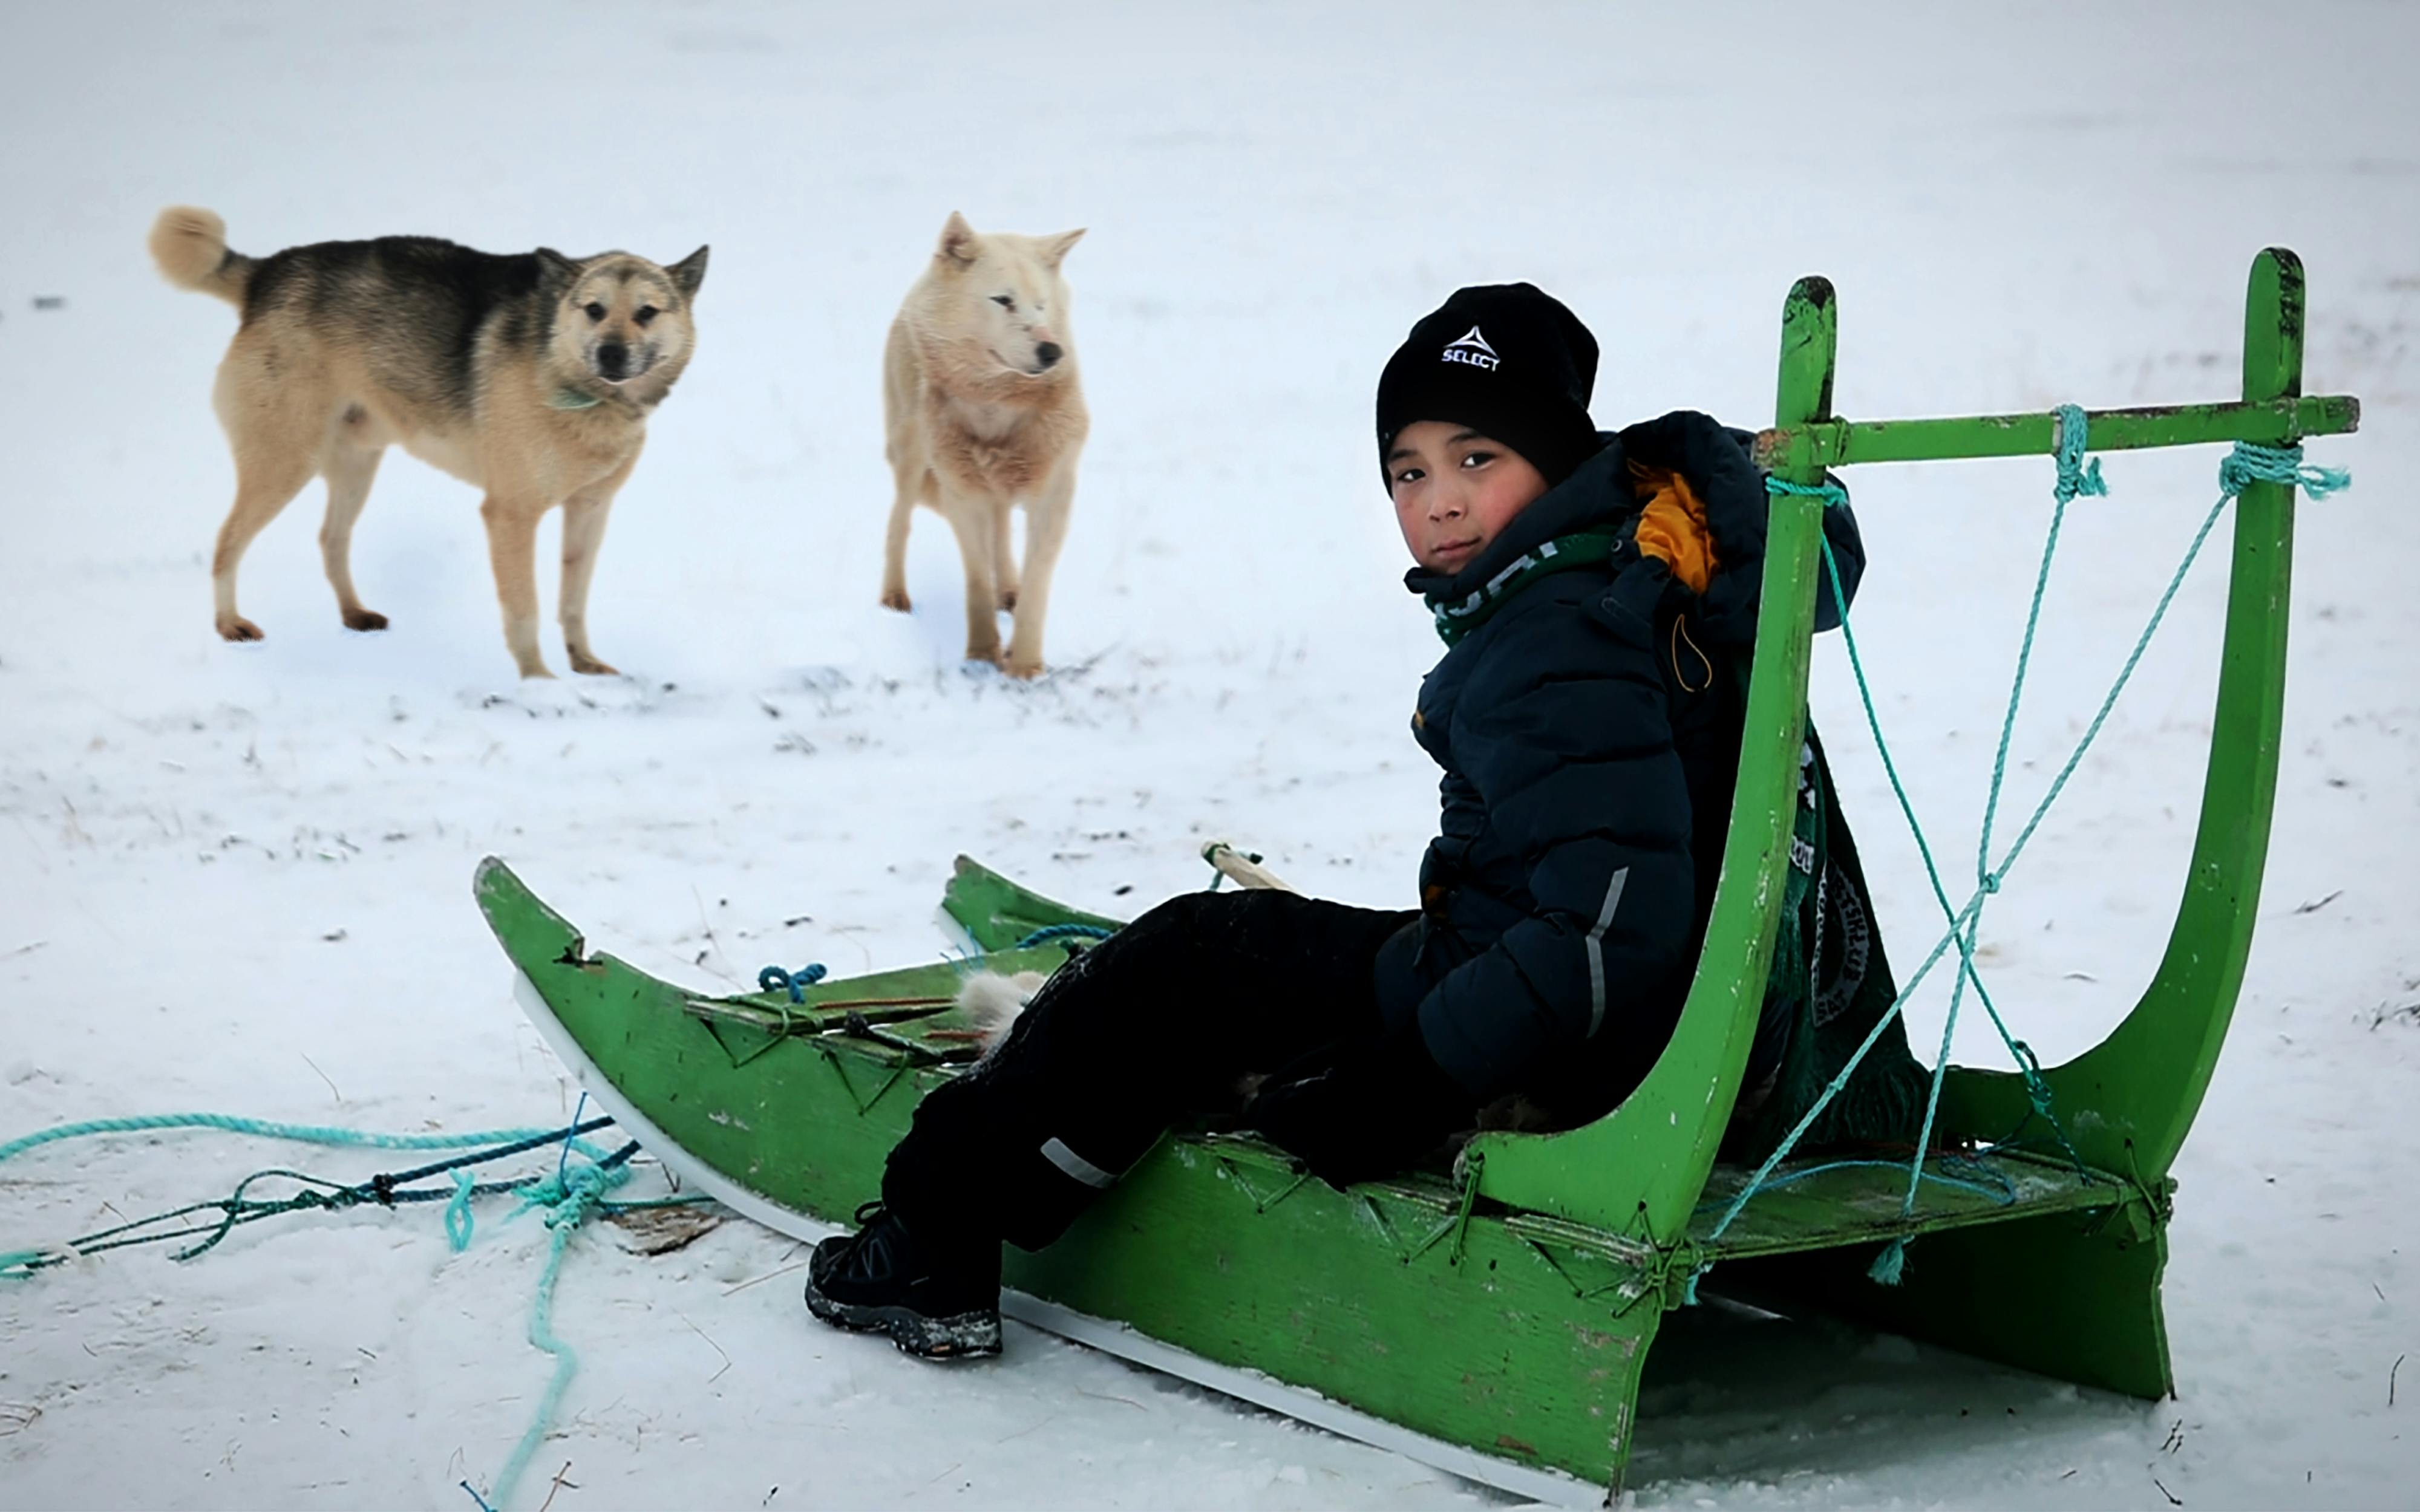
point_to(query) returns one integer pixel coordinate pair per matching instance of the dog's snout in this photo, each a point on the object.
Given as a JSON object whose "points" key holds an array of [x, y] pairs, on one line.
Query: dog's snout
{"points": [[612, 359], [1048, 353]]}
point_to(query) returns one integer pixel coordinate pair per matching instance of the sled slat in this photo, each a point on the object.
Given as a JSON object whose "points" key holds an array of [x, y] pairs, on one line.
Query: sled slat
{"points": [[1815, 1204]]}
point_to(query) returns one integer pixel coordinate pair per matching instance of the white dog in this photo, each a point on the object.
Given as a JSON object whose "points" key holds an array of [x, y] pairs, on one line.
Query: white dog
{"points": [[983, 412]]}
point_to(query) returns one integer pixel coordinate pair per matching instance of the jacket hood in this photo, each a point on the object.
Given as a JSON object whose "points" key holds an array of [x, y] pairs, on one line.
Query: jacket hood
{"points": [[1724, 507]]}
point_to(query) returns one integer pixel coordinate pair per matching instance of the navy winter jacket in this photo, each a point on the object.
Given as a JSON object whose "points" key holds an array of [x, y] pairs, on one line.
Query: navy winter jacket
{"points": [[1589, 748]]}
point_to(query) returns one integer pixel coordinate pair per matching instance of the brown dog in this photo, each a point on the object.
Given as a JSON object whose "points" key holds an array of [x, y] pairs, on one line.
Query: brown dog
{"points": [[530, 376], [982, 412]]}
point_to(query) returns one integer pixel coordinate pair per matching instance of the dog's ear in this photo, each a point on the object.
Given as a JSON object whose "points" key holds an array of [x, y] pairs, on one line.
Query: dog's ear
{"points": [[690, 272], [1055, 248], [554, 268], [959, 244]]}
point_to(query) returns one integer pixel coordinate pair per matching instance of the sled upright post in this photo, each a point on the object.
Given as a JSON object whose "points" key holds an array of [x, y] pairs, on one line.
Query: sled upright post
{"points": [[1495, 1323], [1643, 1169]]}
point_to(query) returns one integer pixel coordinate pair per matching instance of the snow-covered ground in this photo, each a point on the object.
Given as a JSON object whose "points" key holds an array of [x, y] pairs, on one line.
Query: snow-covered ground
{"points": [[236, 878]]}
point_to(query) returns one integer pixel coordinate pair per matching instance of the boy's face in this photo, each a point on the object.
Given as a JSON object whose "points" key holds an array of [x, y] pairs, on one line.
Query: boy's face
{"points": [[1454, 490]]}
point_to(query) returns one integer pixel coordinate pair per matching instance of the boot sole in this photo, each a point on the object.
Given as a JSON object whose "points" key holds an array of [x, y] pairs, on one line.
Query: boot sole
{"points": [[969, 1335]]}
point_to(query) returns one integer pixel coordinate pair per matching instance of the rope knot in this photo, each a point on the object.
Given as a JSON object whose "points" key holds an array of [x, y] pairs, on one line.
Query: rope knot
{"points": [[584, 1189], [2251, 462], [2076, 476], [1831, 493], [569, 1199], [2029, 1066]]}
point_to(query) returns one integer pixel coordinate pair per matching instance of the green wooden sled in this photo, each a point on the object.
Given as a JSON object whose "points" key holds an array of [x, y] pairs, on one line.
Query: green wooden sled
{"points": [[1495, 1325]]}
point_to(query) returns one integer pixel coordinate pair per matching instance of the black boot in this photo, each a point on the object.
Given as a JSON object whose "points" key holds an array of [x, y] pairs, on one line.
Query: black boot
{"points": [[881, 1280]]}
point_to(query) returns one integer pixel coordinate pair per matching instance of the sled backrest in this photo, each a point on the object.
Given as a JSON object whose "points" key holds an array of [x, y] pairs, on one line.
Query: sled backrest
{"points": [[1644, 1165]]}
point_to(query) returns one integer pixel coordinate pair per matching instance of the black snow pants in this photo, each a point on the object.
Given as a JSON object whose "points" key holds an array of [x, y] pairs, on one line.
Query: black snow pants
{"points": [[1156, 1023]]}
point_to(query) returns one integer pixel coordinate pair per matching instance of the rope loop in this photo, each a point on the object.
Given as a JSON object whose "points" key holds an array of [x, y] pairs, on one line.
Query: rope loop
{"points": [[2029, 1066], [2076, 477], [457, 1213], [2251, 462], [778, 980]]}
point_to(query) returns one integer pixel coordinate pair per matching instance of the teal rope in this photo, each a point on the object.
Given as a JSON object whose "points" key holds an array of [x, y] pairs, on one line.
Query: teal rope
{"points": [[2075, 476], [262, 1128], [387, 1189], [457, 1213], [974, 958], [1889, 1264], [1834, 495], [1831, 493], [777, 979], [2248, 463], [1923, 847], [568, 1200], [1062, 932], [1998, 1188]]}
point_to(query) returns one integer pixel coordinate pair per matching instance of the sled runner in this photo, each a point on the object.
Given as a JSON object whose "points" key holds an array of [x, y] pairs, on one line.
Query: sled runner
{"points": [[1494, 1320]]}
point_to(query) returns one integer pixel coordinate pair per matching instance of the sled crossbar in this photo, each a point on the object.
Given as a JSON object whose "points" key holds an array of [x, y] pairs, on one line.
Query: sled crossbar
{"points": [[1831, 443]]}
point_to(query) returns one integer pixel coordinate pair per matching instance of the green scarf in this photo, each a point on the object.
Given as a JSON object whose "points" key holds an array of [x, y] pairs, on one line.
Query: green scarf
{"points": [[1564, 553]]}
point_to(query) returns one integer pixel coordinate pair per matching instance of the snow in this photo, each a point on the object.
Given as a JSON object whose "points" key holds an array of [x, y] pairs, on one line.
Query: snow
{"points": [[236, 878]]}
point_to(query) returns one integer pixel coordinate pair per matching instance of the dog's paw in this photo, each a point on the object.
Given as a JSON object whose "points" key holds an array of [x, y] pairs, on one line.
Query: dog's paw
{"points": [[235, 627], [365, 618], [583, 662], [896, 599], [1022, 667]]}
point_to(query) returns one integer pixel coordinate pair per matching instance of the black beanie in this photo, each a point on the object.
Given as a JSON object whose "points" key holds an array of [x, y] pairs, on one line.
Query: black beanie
{"points": [[1507, 359]]}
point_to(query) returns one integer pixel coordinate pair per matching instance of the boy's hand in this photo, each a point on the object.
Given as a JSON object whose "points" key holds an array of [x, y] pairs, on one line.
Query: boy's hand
{"points": [[1373, 1112]]}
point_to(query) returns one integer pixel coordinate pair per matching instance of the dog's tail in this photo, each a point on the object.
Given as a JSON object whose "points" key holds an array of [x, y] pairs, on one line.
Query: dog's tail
{"points": [[190, 246]]}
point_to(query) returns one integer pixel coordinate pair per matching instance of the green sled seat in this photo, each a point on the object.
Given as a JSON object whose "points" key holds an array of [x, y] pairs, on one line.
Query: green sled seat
{"points": [[1494, 1322]]}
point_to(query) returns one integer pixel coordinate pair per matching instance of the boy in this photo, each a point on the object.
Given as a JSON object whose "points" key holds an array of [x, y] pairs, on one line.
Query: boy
{"points": [[1588, 745]]}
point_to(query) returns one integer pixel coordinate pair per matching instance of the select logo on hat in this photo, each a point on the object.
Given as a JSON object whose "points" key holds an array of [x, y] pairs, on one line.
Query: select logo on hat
{"points": [[1473, 350]]}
